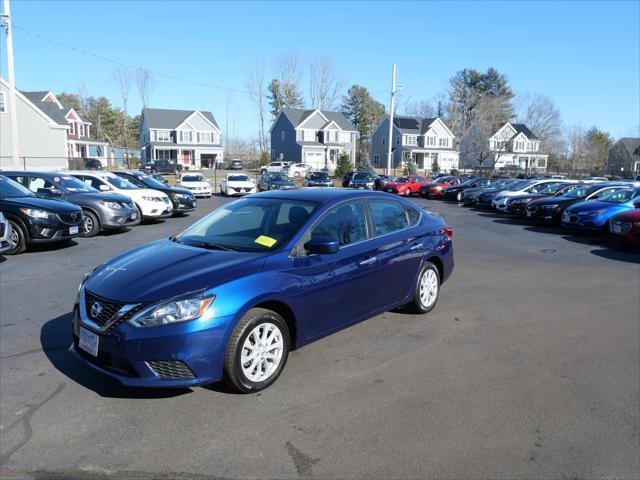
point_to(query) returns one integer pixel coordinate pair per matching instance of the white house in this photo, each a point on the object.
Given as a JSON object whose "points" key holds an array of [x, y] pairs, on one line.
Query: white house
{"points": [[423, 141], [42, 142], [514, 145], [189, 137]]}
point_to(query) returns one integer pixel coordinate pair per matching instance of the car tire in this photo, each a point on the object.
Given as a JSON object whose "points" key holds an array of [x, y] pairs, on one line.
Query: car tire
{"points": [[407, 192], [90, 224], [256, 325], [139, 213], [17, 239], [427, 289], [459, 196]]}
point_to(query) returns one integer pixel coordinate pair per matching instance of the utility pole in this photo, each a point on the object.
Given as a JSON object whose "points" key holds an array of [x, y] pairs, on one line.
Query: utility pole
{"points": [[390, 138], [11, 101]]}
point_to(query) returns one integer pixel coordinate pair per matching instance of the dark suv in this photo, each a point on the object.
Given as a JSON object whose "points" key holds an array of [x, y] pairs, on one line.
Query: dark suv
{"points": [[182, 199], [235, 165], [101, 211], [34, 219], [161, 166]]}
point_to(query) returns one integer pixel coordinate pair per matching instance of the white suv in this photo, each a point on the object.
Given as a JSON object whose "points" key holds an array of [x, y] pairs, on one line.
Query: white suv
{"points": [[274, 167], [151, 204], [500, 200], [297, 170]]}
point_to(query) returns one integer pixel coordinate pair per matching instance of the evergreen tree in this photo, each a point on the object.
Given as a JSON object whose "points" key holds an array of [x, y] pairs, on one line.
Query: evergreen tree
{"points": [[364, 112]]}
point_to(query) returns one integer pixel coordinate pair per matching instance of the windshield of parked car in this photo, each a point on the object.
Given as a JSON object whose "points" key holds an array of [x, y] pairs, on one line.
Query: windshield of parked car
{"points": [[551, 188], [319, 176], [151, 182], [278, 177], [401, 180], [249, 225], [193, 178], [74, 185], [518, 186], [12, 189], [238, 178], [363, 176], [620, 196], [442, 180], [121, 183], [581, 192]]}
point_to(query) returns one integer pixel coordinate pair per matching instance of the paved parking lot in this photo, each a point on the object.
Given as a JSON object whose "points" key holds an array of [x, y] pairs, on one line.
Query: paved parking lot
{"points": [[528, 367]]}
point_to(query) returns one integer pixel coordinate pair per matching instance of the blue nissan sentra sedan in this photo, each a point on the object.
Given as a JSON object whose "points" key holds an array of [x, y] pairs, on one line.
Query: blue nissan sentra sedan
{"points": [[594, 215], [230, 296]]}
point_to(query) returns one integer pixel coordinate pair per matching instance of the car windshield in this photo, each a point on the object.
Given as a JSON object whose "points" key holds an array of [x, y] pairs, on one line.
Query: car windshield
{"points": [[120, 183], [12, 189], [72, 184], [321, 176], [193, 178], [363, 176], [442, 180], [151, 182], [518, 186], [620, 196], [238, 178], [401, 180], [279, 177], [249, 225], [551, 188]]}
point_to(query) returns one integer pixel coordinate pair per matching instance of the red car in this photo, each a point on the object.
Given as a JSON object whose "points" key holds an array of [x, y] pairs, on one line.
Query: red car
{"points": [[626, 225], [434, 189], [405, 185]]}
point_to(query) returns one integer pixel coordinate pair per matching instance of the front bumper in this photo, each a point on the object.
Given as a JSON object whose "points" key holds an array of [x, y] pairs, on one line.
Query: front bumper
{"points": [[585, 223], [118, 218], [131, 355], [183, 205], [152, 209], [240, 191], [626, 230], [48, 230]]}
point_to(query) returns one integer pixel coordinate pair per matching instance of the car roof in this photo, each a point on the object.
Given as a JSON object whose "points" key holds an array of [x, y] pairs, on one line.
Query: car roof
{"points": [[97, 173], [322, 195]]}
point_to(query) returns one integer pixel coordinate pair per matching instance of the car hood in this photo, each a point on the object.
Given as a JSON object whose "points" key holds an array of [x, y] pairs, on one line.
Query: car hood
{"points": [[53, 204], [170, 189], [595, 205], [395, 184], [164, 269], [105, 197], [553, 200], [628, 216]]}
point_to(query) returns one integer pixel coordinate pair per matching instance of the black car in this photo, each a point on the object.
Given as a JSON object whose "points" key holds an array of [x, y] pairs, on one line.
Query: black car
{"points": [[101, 210], [363, 181], [346, 179], [34, 219], [485, 198], [549, 209], [317, 179], [161, 166], [275, 181], [379, 180], [182, 199], [92, 163], [456, 192], [235, 165]]}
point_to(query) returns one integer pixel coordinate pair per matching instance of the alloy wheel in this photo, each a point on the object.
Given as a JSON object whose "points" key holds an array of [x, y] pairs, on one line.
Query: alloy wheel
{"points": [[87, 224], [262, 352], [14, 239], [429, 288]]}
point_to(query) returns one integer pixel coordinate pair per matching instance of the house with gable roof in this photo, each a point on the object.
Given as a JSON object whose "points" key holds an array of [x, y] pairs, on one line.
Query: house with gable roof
{"points": [[422, 141], [191, 138], [315, 137], [624, 157], [514, 145]]}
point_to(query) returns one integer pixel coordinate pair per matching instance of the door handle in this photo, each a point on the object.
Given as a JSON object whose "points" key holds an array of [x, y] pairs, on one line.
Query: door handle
{"points": [[368, 261], [417, 246]]}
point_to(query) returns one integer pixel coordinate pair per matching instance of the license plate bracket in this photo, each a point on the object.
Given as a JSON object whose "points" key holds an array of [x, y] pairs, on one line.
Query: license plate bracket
{"points": [[89, 341]]}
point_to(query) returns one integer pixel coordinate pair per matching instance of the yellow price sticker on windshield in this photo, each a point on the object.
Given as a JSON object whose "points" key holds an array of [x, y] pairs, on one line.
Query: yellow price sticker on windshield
{"points": [[265, 241]]}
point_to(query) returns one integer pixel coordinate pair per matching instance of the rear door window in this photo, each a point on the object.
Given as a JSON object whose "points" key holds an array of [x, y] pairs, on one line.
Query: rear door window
{"points": [[388, 216], [345, 223]]}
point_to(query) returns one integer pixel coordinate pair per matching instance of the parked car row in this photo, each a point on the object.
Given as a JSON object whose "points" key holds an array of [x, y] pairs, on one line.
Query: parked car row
{"points": [[49, 207], [582, 206]]}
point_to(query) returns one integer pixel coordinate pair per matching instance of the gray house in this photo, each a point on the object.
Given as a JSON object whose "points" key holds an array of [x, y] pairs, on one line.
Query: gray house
{"points": [[188, 137], [316, 137], [625, 154], [423, 141]]}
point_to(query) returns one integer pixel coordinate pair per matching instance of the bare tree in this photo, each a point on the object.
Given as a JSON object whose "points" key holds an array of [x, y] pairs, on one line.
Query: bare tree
{"points": [[424, 109], [475, 146], [325, 83], [576, 148], [288, 74], [539, 113], [146, 83], [257, 88], [122, 79]]}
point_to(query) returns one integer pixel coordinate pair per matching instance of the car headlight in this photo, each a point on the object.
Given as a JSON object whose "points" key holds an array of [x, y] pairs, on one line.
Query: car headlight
{"points": [[591, 213], [114, 205], [152, 199], [184, 196], [173, 311], [551, 206], [36, 213]]}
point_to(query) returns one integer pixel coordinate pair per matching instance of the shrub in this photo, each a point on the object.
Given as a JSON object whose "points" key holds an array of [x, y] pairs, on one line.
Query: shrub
{"points": [[410, 168], [344, 165], [455, 172]]}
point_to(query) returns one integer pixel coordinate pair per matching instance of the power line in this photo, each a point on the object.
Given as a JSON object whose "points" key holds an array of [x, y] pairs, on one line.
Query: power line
{"points": [[123, 64]]}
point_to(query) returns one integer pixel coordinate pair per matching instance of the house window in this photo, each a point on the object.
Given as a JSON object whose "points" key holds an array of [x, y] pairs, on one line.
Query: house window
{"points": [[282, 136], [384, 141], [431, 141], [204, 137], [81, 129], [376, 159], [3, 108], [398, 140], [273, 154], [443, 142], [72, 128], [345, 137], [162, 135], [185, 136], [411, 140]]}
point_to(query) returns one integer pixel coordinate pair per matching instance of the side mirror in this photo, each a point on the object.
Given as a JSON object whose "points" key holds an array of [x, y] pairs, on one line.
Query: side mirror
{"points": [[321, 246], [104, 188]]}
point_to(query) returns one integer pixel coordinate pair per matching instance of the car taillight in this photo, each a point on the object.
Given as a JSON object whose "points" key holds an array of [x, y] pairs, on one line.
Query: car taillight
{"points": [[448, 231]]}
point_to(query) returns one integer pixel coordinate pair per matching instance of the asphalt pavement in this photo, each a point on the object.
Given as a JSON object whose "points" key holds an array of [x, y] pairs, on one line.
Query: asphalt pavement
{"points": [[529, 367]]}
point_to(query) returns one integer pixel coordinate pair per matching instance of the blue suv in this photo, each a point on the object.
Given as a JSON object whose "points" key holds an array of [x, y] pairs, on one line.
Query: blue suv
{"points": [[229, 297]]}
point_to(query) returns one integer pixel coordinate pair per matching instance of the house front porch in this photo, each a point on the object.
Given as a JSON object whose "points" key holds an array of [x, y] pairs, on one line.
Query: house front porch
{"points": [[189, 158]]}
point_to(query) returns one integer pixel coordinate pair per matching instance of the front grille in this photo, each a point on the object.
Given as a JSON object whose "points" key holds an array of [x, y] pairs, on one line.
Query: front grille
{"points": [[624, 227], [108, 311], [106, 360], [2, 227], [73, 218], [170, 369], [532, 208]]}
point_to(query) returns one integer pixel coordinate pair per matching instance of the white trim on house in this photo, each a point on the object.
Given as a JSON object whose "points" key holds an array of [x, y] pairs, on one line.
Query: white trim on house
{"points": [[332, 122], [317, 110], [53, 97], [438, 119], [196, 112]]}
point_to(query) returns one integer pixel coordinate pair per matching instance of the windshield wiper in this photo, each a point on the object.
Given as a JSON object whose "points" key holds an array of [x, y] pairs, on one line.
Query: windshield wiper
{"points": [[210, 246]]}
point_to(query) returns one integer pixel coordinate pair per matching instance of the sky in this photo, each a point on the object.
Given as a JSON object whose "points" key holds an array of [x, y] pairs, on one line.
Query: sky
{"points": [[584, 55]]}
